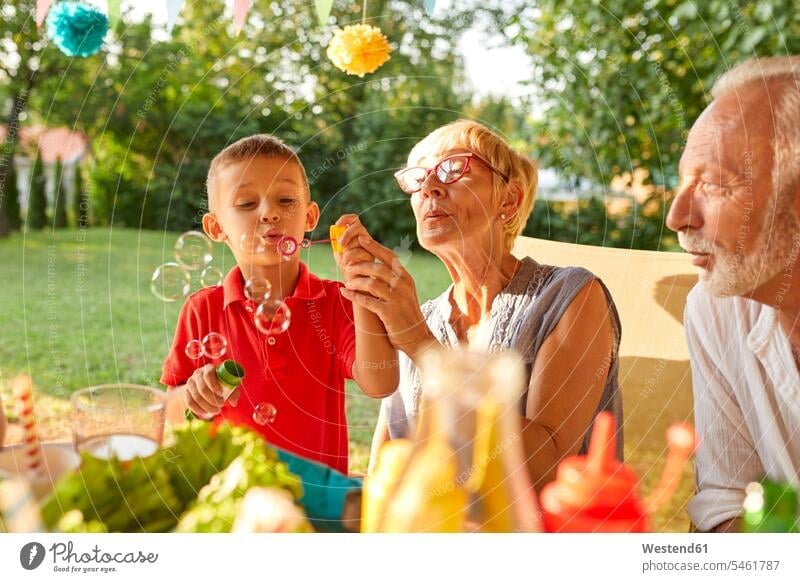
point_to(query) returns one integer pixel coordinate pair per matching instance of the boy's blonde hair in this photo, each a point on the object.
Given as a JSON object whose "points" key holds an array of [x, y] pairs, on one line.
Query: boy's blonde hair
{"points": [[260, 144], [479, 139]]}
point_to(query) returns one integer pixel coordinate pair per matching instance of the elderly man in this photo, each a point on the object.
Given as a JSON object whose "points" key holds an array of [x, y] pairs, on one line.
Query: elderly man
{"points": [[737, 211]]}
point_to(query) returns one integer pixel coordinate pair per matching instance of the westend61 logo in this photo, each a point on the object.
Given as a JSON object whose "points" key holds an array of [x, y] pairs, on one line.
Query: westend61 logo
{"points": [[66, 559]]}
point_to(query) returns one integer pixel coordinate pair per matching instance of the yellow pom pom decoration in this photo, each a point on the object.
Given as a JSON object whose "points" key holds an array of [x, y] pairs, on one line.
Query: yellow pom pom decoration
{"points": [[358, 49]]}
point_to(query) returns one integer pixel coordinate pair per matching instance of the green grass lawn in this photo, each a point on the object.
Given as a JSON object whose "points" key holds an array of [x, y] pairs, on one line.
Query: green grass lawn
{"points": [[77, 311]]}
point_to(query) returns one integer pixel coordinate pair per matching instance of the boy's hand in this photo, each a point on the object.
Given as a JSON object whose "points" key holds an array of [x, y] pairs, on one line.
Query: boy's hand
{"points": [[353, 251], [203, 392]]}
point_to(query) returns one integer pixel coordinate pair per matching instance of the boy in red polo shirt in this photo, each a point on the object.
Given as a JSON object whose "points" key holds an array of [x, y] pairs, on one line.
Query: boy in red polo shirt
{"points": [[257, 189]]}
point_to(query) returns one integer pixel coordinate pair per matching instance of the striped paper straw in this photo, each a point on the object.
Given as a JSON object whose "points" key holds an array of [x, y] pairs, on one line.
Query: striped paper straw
{"points": [[22, 389]]}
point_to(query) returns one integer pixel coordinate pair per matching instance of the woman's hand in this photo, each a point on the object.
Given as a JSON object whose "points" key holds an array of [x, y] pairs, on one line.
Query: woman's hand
{"points": [[375, 368], [384, 287], [352, 251]]}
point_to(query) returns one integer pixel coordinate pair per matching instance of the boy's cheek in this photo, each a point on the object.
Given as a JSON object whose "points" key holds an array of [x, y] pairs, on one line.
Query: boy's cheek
{"points": [[232, 246]]}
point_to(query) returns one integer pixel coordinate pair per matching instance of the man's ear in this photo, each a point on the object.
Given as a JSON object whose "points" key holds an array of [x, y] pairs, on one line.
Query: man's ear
{"points": [[213, 228], [312, 216], [512, 199]]}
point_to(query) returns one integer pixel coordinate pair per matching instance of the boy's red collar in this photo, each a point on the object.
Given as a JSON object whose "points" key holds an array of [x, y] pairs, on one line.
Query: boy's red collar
{"points": [[309, 286]]}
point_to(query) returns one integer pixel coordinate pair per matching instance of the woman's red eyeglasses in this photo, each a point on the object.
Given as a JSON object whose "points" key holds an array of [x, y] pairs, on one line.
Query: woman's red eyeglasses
{"points": [[450, 169]]}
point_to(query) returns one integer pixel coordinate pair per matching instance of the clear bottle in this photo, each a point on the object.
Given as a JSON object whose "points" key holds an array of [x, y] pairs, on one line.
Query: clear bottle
{"points": [[381, 482], [466, 470]]}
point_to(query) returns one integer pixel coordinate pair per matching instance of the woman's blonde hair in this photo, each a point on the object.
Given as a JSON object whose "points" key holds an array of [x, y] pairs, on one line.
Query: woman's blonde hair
{"points": [[477, 138]]}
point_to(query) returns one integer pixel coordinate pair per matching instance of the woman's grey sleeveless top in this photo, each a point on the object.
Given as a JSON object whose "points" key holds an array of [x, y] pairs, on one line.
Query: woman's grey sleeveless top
{"points": [[523, 315]]}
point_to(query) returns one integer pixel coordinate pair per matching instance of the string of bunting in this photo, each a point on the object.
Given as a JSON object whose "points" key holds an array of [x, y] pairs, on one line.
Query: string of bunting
{"points": [[78, 29]]}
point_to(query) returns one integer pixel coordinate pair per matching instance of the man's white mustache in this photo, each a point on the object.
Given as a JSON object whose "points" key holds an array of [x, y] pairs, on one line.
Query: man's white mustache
{"points": [[693, 243]]}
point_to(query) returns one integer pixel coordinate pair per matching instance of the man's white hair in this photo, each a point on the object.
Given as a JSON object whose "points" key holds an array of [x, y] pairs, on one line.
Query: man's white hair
{"points": [[785, 112]]}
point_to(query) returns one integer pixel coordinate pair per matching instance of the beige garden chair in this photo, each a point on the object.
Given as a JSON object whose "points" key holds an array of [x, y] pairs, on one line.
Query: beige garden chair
{"points": [[649, 289]]}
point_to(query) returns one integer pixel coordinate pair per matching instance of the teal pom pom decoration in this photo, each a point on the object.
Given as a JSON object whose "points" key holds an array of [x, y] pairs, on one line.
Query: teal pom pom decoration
{"points": [[77, 29]]}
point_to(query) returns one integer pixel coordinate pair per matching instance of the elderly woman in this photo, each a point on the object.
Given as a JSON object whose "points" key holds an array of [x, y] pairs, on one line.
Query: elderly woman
{"points": [[471, 194]]}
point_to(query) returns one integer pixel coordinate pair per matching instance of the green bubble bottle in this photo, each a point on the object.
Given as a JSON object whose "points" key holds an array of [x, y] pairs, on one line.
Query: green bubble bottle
{"points": [[230, 374]]}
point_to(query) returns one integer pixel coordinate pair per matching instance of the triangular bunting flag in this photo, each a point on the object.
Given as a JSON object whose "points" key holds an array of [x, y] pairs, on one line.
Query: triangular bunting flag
{"points": [[240, 8], [323, 10], [173, 9], [42, 7], [430, 6]]}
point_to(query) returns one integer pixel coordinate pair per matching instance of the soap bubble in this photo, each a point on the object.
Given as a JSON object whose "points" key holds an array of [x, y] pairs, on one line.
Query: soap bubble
{"points": [[170, 282], [264, 413], [193, 250], [194, 349], [252, 242], [305, 243], [257, 289], [214, 345], [287, 246], [211, 277], [273, 317]]}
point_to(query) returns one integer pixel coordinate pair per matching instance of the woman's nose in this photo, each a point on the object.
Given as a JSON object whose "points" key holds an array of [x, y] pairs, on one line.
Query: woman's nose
{"points": [[431, 187]]}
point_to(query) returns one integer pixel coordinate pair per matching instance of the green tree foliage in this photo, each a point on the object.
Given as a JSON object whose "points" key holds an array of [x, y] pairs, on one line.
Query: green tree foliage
{"points": [[617, 85], [27, 61], [158, 116], [589, 222], [80, 199], [59, 198], [373, 122], [36, 216], [8, 187], [158, 109], [620, 82]]}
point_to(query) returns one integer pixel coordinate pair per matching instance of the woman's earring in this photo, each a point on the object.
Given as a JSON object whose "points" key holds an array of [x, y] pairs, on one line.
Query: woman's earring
{"points": [[502, 216]]}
